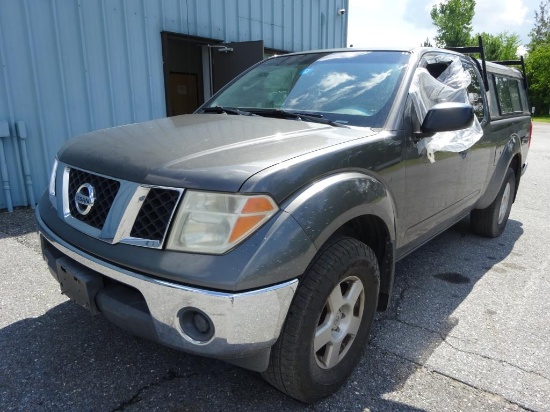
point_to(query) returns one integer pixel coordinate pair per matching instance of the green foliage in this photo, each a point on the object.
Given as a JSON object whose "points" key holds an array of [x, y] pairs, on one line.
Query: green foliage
{"points": [[427, 43], [501, 46], [538, 60], [540, 33], [538, 74], [453, 19], [544, 119]]}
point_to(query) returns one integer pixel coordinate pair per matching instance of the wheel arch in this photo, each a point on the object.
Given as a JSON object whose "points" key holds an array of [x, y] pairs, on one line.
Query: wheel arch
{"points": [[355, 205], [372, 231], [510, 158], [515, 164]]}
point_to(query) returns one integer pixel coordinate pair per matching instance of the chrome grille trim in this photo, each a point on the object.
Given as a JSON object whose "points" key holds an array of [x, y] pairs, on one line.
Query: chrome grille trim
{"points": [[122, 214]]}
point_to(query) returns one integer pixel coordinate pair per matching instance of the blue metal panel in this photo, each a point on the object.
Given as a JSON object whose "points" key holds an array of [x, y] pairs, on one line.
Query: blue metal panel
{"points": [[68, 67]]}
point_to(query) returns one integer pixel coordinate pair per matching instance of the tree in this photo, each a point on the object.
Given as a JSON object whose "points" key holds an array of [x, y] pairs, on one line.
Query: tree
{"points": [[501, 46], [427, 43], [540, 34], [538, 60], [453, 19], [538, 74]]}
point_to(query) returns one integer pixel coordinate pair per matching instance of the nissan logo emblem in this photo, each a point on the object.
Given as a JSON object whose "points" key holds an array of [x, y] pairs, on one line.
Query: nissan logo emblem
{"points": [[84, 199]]}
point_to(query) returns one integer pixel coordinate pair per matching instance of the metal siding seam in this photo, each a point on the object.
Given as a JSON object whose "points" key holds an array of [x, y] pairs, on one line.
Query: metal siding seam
{"points": [[311, 25], [211, 19], [11, 115], [249, 20], [262, 20], [332, 26], [161, 3], [129, 57], [37, 91], [325, 12], [107, 49], [346, 3], [196, 32], [187, 16], [5, 77], [86, 68], [273, 41], [304, 6], [293, 32], [238, 32], [224, 22], [61, 69], [180, 14], [342, 31], [338, 32], [148, 58], [321, 25], [283, 46]]}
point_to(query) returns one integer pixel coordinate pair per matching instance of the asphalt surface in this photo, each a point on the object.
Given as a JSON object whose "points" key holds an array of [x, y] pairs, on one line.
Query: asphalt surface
{"points": [[468, 329]]}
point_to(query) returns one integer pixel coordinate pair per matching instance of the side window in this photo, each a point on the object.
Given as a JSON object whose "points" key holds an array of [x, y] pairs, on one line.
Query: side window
{"points": [[508, 95], [475, 94], [514, 95], [493, 104], [503, 94]]}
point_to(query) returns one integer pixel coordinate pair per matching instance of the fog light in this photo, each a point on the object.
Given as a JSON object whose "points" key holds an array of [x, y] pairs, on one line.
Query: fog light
{"points": [[196, 324]]}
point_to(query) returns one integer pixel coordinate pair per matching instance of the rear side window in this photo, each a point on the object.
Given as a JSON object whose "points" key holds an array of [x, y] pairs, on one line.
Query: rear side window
{"points": [[508, 95], [475, 95], [514, 95]]}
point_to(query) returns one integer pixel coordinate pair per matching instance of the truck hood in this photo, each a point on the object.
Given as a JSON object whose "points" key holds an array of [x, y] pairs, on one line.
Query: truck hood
{"points": [[206, 151]]}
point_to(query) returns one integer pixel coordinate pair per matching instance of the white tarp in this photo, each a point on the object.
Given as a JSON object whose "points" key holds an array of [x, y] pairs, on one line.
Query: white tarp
{"points": [[451, 86]]}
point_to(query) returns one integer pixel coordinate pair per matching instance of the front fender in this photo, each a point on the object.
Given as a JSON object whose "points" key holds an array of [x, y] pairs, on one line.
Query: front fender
{"points": [[326, 205]]}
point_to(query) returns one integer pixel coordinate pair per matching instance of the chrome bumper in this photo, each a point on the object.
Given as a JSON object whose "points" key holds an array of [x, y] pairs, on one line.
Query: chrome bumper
{"points": [[244, 323]]}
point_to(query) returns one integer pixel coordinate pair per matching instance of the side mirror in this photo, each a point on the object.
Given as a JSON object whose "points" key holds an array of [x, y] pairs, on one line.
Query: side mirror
{"points": [[446, 117]]}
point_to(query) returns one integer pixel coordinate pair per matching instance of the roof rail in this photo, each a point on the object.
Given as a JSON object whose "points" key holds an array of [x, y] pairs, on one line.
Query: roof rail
{"points": [[475, 49], [519, 62]]}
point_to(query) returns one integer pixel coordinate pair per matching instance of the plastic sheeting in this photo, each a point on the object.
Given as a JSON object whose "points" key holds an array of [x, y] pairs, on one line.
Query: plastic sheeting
{"points": [[451, 86]]}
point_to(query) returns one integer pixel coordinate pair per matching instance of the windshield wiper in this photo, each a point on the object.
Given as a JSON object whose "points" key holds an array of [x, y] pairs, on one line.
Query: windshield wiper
{"points": [[307, 117], [227, 110]]}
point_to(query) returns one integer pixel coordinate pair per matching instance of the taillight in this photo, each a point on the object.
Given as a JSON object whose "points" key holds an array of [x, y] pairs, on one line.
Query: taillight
{"points": [[530, 134]]}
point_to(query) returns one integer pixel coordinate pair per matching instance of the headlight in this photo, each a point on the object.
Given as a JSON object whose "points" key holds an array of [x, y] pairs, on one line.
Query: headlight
{"points": [[215, 222], [52, 178]]}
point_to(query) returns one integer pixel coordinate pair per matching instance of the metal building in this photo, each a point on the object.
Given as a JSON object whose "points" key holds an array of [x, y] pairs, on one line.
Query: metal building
{"points": [[68, 67]]}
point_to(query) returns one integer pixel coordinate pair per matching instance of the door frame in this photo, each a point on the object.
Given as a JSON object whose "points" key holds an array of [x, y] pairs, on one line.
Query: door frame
{"points": [[165, 37]]}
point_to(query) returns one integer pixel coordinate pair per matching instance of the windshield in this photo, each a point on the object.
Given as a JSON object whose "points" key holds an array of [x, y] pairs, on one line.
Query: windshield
{"points": [[350, 88]]}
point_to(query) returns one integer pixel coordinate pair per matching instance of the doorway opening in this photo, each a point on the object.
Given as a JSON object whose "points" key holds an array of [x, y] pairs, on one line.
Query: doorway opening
{"points": [[197, 67]]}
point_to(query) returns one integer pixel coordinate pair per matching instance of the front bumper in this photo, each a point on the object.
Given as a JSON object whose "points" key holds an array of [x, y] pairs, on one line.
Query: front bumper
{"points": [[246, 324]]}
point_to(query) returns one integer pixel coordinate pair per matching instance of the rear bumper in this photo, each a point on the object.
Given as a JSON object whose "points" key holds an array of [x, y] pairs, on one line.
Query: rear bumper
{"points": [[246, 324]]}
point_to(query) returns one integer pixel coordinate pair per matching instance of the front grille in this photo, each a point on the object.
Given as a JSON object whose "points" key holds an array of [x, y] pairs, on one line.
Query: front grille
{"points": [[154, 216], [105, 192]]}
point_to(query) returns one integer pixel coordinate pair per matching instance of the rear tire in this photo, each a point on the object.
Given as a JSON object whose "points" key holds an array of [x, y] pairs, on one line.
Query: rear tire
{"points": [[491, 221], [328, 322]]}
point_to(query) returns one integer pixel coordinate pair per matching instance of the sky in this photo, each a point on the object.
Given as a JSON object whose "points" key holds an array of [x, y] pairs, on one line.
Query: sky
{"points": [[407, 23]]}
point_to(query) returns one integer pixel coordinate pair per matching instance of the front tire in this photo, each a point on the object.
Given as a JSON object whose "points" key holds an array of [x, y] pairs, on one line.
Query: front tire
{"points": [[328, 323], [491, 221]]}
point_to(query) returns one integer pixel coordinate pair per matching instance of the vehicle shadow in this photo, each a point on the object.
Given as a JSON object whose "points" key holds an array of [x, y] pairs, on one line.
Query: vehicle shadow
{"points": [[68, 360]]}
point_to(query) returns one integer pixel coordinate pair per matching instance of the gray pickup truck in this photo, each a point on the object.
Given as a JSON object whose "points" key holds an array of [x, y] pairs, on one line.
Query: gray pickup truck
{"points": [[264, 229]]}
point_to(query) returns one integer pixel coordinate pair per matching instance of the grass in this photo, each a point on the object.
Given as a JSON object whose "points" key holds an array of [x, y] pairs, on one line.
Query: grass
{"points": [[544, 119]]}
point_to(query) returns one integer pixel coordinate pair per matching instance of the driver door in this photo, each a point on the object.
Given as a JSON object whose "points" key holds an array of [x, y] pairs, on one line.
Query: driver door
{"points": [[435, 191]]}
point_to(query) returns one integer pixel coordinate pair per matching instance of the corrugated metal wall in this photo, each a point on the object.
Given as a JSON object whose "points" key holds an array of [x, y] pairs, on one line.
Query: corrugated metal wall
{"points": [[72, 66]]}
